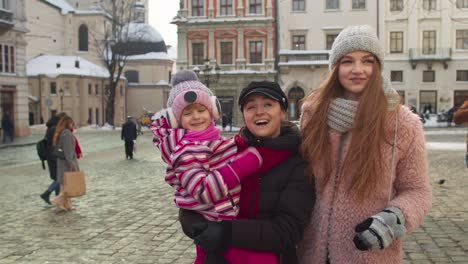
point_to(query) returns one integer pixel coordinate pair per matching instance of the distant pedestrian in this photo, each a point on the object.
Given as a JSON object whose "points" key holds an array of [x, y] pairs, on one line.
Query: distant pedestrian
{"points": [[229, 121], [64, 140], [224, 121], [460, 117], [8, 128], [129, 135], [51, 159], [139, 126]]}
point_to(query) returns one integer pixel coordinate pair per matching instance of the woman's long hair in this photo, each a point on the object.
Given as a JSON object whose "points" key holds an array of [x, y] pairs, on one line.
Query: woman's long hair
{"points": [[64, 123], [362, 161]]}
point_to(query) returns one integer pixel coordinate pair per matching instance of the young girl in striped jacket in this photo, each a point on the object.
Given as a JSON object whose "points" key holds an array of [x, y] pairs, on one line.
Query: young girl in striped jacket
{"points": [[204, 168]]}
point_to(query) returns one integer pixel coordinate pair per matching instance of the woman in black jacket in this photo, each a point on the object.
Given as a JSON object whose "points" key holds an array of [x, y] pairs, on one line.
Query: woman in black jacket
{"points": [[275, 203]]}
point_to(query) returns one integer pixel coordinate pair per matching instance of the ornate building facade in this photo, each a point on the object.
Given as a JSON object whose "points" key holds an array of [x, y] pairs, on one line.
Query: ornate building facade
{"points": [[230, 43]]}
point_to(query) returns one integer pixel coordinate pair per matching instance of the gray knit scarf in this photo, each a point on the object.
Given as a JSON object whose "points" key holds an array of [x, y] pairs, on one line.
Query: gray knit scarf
{"points": [[341, 114]]}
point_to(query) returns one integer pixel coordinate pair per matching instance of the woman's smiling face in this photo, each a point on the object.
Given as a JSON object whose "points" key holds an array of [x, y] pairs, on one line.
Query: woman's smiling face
{"points": [[355, 71], [263, 116]]}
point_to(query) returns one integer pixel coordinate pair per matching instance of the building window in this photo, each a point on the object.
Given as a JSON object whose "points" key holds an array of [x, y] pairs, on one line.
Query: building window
{"points": [[396, 42], [97, 89], [427, 101], [428, 76], [429, 42], [332, 4], [429, 5], [359, 4], [396, 5], [5, 4], [298, 42], [53, 88], [7, 58], [330, 39], [121, 90], [226, 53], [132, 76], [90, 116], [462, 75], [462, 3], [462, 39], [396, 76], [225, 7], [298, 5], [97, 116], [198, 53], [197, 7], [83, 38], [255, 7], [255, 51], [90, 88]]}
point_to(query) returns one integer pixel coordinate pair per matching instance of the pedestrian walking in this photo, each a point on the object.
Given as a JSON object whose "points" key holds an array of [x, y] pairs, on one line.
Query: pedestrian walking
{"points": [[229, 120], [8, 128], [368, 157], [275, 203], [460, 117], [224, 120], [64, 140], [197, 156], [129, 135], [54, 186]]}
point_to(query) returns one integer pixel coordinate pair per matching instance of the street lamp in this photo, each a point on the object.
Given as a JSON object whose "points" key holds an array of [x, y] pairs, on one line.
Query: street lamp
{"points": [[61, 99], [208, 75]]}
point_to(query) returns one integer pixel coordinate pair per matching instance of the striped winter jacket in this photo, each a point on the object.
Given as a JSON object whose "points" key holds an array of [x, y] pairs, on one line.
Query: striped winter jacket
{"points": [[192, 171]]}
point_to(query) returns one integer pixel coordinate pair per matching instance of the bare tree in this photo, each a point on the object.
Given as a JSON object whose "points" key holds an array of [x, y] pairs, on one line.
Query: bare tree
{"points": [[114, 46]]}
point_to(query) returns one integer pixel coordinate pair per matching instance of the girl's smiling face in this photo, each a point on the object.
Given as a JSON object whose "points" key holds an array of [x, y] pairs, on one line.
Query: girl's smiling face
{"points": [[355, 70]]}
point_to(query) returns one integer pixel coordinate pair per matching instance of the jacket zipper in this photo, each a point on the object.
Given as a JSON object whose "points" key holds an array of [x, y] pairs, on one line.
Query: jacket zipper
{"points": [[335, 187]]}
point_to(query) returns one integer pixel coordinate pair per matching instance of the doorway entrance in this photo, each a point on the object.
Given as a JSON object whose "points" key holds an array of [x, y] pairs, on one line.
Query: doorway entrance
{"points": [[295, 96]]}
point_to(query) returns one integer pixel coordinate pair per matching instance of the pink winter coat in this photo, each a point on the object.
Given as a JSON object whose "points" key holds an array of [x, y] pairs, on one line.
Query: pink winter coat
{"points": [[337, 211]]}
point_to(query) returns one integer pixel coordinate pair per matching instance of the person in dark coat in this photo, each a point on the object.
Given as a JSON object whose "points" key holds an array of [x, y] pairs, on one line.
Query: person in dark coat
{"points": [[51, 160], [7, 126], [275, 203], [129, 135]]}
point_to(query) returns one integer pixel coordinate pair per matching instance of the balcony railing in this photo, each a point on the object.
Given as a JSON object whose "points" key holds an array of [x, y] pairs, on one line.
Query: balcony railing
{"points": [[6, 18], [430, 55], [303, 57]]}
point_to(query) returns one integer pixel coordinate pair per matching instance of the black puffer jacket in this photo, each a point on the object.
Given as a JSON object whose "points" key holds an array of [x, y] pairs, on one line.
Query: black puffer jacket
{"points": [[285, 202], [53, 121]]}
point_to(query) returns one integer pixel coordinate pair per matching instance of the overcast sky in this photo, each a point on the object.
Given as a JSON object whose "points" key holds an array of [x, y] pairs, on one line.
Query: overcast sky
{"points": [[160, 15]]}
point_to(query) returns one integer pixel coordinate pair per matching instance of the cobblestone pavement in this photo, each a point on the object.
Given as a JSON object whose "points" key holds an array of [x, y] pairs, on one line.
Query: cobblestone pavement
{"points": [[127, 215]]}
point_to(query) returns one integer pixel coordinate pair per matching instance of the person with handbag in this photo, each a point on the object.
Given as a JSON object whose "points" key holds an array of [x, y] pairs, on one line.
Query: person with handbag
{"points": [[368, 157], [64, 140], [51, 159]]}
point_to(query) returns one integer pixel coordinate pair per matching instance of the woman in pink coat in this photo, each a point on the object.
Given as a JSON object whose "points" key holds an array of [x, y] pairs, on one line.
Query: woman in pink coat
{"points": [[367, 154]]}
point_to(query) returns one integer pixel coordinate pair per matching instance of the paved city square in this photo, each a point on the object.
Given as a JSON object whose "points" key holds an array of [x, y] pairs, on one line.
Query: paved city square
{"points": [[127, 215]]}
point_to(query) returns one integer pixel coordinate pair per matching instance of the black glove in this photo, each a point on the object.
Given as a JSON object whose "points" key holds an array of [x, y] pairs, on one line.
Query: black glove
{"points": [[213, 236], [379, 231]]}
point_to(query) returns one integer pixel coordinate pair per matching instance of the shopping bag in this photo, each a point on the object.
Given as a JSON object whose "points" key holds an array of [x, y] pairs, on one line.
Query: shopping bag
{"points": [[74, 184], [134, 146]]}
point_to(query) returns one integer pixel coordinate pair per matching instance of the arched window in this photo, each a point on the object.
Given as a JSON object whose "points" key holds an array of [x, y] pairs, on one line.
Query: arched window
{"points": [[294, 97], [83, 38], [132, 76]]}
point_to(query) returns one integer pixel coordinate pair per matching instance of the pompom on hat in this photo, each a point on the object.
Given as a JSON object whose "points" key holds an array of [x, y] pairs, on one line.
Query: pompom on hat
{"points": [[186, 90], [356, 38]]}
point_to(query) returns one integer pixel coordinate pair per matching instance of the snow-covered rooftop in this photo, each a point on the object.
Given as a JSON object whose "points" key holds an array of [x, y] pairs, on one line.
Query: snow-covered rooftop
{"points": [[47, 65], [142, 32], [150, 56], [62, 4]]}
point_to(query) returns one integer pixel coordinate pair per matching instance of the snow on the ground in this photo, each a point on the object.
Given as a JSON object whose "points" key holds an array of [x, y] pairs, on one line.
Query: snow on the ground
{"points": [[445, 146], [234, 129]]}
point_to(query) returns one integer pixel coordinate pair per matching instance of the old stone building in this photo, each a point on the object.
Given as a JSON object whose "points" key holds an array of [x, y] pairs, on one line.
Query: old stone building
{"points": [[14, 94]]}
